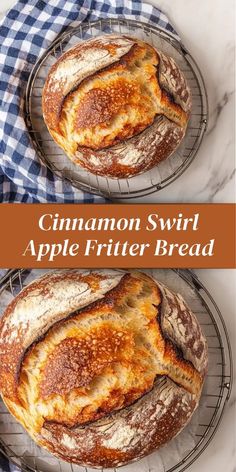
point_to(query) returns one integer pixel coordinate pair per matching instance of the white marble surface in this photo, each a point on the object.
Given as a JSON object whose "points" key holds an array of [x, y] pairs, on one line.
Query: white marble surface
{"points": [[221, 454], [207, 29]]}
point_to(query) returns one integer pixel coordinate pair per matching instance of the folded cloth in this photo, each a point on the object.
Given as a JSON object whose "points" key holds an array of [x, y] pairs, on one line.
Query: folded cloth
{"points": [[25, 33]]}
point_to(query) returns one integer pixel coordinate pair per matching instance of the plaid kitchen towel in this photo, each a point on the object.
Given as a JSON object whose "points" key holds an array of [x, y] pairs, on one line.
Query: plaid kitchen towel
{"points": [[25, 33]]}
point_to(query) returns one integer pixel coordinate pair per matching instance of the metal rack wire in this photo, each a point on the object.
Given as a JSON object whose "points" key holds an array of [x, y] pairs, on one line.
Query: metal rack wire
{"points": [[158, 177], [192, 441]]}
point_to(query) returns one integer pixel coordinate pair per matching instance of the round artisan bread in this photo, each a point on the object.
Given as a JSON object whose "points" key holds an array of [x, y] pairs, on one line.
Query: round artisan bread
{"points": [[116, 105], [101, 367]]}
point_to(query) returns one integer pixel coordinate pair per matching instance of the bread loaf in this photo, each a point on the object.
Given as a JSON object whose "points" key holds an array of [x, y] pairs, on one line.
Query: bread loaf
{"points": [[116, 105], [101, 367]]}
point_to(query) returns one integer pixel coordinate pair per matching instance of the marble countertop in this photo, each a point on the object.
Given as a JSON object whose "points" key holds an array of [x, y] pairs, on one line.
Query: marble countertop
{"points": [[207, 30]]}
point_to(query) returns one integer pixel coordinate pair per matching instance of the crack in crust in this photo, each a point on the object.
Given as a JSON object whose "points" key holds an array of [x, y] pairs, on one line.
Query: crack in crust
{"points": [[122, 93], [87, 379]]}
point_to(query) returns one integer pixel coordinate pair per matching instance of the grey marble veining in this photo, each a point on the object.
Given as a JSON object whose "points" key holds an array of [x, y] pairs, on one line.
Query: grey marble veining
{"points": [[207, 30]]}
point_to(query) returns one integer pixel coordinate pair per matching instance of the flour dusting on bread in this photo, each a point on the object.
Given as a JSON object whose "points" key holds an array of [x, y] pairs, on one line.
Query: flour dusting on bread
{"points": [[116, 105], [101, 367]]}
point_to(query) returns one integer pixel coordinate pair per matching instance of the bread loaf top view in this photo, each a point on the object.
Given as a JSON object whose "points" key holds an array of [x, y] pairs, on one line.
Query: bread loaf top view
{"points": [[116, 105], [101, 367]]}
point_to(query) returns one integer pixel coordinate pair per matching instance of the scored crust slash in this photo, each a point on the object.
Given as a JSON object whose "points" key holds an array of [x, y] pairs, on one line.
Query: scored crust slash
{"points": [[101, 367], [116, 105]]}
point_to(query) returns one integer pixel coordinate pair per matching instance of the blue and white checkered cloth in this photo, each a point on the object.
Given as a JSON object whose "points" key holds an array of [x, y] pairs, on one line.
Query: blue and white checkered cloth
{"points": [[25, 33]]}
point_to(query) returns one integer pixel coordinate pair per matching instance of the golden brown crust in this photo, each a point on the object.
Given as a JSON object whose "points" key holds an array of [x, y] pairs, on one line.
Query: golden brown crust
{"points": [[146, 434], [105, 116], [92, 378], [148, 144], [18, 333], [75, 362], [55, 92]]}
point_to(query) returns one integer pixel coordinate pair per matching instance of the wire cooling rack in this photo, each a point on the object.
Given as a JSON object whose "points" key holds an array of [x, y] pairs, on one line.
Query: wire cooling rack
{"points": [[158, 177], [192, 441]]}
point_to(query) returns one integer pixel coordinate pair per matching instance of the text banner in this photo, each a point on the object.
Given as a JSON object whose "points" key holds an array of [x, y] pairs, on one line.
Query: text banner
{"points": [[145, 235]]}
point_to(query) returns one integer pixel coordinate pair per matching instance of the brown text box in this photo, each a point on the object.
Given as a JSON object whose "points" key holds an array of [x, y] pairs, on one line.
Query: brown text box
{"points": [[20, 225]]}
